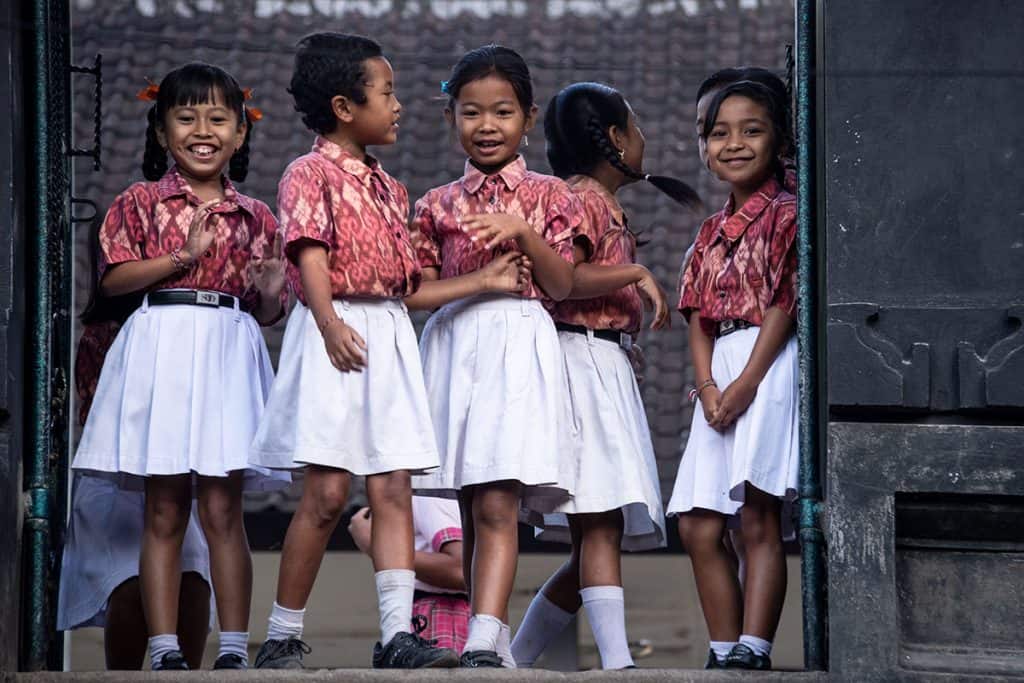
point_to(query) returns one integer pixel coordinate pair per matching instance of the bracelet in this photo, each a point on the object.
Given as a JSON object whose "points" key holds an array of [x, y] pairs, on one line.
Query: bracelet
{"points": [[176, 259], [325, 324], [704, 385]]}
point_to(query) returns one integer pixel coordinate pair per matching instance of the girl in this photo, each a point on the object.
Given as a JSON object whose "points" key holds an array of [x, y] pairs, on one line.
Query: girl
{"points": [[99, 583], [495, 377], [206, 258], [349, 397], [593, 141], [739, 295]]}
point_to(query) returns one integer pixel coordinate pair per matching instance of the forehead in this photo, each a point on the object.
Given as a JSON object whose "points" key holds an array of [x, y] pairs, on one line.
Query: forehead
{"points": [[489, 90], [740, 108], [208, 99], [378, 70]]}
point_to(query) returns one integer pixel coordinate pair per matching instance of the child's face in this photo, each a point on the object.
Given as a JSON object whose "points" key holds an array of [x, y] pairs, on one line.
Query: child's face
{"points": [[375, 122], [741, 146], [702, 111], [490, 121], [202, 137]]}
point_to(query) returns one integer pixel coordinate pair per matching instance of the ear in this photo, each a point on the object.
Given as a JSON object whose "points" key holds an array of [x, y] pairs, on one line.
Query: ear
{"points": [[449, 116], [243, 126], [161, 135], [617, 136], [341, 106], [531, 118]]}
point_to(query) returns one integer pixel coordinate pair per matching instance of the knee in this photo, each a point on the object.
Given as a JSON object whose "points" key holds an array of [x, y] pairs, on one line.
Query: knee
{"points": [[167, 518], [328, 501], [391, 489], [495, 513], [220, 515], [699, 535], [760, 526]]}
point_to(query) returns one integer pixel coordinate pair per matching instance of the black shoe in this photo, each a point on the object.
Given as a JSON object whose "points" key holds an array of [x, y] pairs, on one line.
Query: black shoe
{"points": [[480, 659], [410, 651], [282, 654], [229, 661], [742, 657], [713, 661], [172, 661]]}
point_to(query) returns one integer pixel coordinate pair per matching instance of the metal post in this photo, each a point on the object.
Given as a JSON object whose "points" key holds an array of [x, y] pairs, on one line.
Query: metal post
{"points": [[812, 540]]}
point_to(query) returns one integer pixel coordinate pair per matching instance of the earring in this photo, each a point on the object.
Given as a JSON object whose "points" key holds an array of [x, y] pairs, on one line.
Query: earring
{"points": [[526, 141], [622, 154]]}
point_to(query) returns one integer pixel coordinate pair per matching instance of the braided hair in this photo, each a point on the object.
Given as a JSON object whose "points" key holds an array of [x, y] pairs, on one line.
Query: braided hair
{"points": [[576, 127], [195, 83], [328, 65]]}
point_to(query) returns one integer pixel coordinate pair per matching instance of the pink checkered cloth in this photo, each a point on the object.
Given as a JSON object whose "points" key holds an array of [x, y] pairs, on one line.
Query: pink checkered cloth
{"points": [[447, 618]]}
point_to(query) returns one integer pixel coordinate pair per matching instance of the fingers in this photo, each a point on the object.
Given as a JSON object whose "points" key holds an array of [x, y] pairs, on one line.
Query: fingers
{"points": [[661, 315], [278, 249]]}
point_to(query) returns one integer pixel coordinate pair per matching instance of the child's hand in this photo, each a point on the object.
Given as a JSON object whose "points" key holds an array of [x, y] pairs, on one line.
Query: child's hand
{"points": [[709, 399], [735, 400], [654, 299], [492, 229], [638, 361], [268, 274], [360, 529], [508, 272], [344, 346], [200, 237]]}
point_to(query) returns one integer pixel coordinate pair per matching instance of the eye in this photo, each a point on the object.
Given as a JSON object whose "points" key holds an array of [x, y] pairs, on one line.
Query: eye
{"points": [[506, 112], [184, 118], [753, 130], [469, 113], [717, 133]]}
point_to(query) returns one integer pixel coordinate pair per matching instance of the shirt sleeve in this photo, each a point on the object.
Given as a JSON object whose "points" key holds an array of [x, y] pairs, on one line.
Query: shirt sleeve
{"points": [[423, 234], [123, 232], [562, 219], [782, 261], [304, 209], [690, 286], [595, 221], [436, 519]]}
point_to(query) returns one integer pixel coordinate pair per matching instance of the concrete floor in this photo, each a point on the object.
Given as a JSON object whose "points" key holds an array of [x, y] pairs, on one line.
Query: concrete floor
{"points": [[663, 617]]}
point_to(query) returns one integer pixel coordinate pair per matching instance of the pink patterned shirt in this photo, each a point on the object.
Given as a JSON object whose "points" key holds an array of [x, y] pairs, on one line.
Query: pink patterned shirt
{"points": [[358, 213], [546, 203], [605, 225], [151, 219], [744, 262]]}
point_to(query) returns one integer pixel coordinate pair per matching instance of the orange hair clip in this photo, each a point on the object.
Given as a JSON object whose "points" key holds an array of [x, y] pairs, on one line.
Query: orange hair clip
{"points": [[255, 113], [150, 92]]}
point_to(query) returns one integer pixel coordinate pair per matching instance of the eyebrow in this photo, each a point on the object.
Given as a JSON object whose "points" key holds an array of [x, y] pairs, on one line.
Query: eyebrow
{"points": [[477, 104]]}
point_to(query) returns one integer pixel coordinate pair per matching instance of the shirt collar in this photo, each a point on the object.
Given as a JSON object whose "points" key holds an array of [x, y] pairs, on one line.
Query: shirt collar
{"points": [[513, 173], [174, 184], [585, 182], [345, 160], [733, 225]]}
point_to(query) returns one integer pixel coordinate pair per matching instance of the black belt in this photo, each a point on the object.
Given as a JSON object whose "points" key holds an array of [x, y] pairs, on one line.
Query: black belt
{"points": [[725, 327], [193, 297], [623, 339]]}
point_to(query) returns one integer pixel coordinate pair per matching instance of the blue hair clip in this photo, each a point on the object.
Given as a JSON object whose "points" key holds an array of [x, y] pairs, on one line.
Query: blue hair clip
{"points": [[444, 87]]}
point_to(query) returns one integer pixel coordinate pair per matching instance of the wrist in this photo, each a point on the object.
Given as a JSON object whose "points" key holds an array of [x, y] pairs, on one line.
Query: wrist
{"points": [[639, 272], [327, 322]]}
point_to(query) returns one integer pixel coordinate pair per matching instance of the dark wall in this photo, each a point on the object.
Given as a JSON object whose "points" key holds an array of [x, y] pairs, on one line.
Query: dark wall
{"points": [[924, 223], [12, 324], [655, 52]]}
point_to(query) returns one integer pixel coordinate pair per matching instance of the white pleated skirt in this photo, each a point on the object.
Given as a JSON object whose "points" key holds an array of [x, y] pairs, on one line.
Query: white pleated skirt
{"points": [[615, 462], [101, 549], [760, 448], [366, 422], [496, 384], [181, 390]]}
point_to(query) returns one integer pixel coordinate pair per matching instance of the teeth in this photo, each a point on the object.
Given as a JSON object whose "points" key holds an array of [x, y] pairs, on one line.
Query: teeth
{"points": [[202, 149]]}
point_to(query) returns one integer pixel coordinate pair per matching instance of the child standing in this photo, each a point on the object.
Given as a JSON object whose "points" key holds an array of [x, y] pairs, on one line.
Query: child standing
{"points": [[441, 604], [593, 141], [349, 396], [739, 295], [203, 255], [493, 368]]}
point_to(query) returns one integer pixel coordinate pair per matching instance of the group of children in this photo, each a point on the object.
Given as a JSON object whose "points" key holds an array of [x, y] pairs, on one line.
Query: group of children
{"points": [[519, 399]]}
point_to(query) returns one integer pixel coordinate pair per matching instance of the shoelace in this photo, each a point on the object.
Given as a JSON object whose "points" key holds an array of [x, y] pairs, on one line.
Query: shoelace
{"points": [[294, 645]]}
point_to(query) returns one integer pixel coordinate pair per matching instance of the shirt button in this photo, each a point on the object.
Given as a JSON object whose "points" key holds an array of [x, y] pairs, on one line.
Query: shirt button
{"points": [[721, 295]]}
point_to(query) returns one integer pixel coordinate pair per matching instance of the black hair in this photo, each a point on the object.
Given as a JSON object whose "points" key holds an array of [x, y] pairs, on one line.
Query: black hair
{"points": [[328, 65], [195, 83], [491, 59], [576, 127], [734, 74], [777, 106]]}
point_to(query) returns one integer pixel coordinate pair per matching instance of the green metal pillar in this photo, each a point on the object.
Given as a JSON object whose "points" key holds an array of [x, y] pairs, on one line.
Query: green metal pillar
{"points": [[812, 540], [48, 330]]}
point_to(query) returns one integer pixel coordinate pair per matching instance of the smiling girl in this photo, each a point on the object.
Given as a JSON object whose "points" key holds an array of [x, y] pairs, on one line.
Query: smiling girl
{"points": [[184, 382]]}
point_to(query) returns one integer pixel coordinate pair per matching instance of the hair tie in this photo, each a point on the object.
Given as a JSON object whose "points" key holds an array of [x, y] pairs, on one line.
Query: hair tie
{"points": [[149, 93], [444, 87]]}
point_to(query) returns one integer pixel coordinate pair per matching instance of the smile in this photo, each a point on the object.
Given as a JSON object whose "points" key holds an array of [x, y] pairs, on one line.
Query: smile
{"points": [[203, 152]]}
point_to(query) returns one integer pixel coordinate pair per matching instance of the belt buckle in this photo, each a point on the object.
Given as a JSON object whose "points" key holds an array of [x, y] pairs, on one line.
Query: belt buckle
{"points": [[725, 327], [207, 299], [626, 341]]}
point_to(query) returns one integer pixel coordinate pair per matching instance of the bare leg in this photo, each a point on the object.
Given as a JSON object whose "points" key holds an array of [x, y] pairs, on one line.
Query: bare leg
{"points": [[390, 496], [766, 564], [717, 586], [125, 634], [496, 529], [167, 509], [193, 618], [220, 512]]}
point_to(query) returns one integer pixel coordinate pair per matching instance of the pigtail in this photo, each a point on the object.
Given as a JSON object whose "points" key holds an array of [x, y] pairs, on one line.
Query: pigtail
{"points": [[238, 167], [154, 158], [677, 190]]}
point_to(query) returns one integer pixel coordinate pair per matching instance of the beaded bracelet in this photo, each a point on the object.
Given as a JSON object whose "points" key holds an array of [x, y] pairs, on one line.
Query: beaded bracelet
{"points": [[176, 260], [695, 393]]}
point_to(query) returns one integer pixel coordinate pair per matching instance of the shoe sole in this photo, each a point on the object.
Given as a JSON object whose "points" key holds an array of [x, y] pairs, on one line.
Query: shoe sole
{"points": [[447, 661]]}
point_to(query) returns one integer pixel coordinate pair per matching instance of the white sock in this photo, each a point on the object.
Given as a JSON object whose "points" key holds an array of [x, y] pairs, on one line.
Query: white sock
{"points": [[760, 646], [285, 623], [543, 621], [606, 612], [395, 588], [483, 634], [721, 648], [235, 643], [504, 647], [161, 645]]}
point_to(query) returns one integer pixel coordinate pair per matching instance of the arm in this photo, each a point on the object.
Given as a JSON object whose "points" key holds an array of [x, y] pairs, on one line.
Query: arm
{"points": [[268, 277], [589, 281], [343, 344], [442, 569], [701, 348], [506, 273]]}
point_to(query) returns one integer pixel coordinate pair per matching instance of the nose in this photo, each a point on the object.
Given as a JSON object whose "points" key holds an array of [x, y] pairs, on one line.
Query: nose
{"points": [[398, 106], [202, 127], [487, 122]]}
